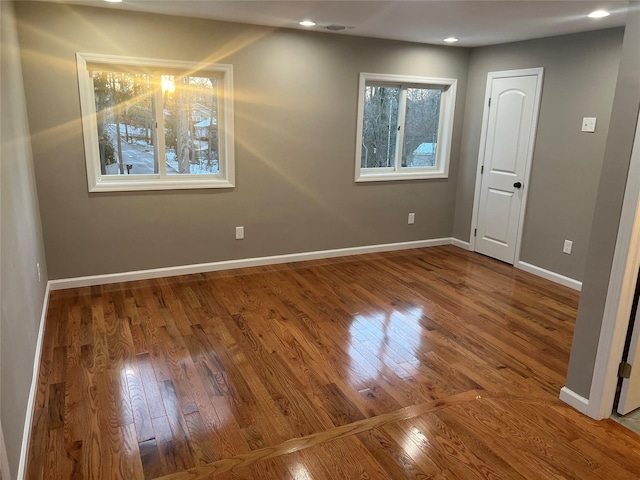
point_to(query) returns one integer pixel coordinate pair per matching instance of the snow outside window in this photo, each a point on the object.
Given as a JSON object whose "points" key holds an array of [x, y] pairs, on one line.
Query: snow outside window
{"points": [[404, 127], [155, 124]]}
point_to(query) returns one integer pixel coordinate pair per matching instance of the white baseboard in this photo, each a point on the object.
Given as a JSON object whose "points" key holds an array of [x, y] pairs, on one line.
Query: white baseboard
{"points": [[549, 275], [571, 398], [293, 257], [242, 263], [461, 244], [31, 403]]}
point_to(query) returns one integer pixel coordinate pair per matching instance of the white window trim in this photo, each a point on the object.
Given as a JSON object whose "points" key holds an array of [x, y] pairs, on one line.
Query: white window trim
{"points": [[445, 129], [110, 183]]}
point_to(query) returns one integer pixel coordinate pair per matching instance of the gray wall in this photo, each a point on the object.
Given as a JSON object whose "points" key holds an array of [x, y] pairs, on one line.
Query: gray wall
{"points": [[295, 129], [296, 100], [21, 247], [606, 218], [579, 81]]}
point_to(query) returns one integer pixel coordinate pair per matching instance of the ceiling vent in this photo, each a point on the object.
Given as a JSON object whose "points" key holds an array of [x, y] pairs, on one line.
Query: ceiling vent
{"points": [[337, 28]]}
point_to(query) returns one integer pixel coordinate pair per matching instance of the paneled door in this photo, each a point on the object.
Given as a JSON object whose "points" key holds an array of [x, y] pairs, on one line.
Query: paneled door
{"points": [[511, 115]]}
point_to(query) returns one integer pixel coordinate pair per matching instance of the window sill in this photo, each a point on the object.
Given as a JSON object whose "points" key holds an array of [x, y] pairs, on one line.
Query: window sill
{"points": [[142, 185], [392, 177]]}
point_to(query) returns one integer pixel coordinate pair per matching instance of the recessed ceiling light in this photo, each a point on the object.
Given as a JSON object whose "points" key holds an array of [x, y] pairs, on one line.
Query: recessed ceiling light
{"points": [[599, 14], [451, 40], [308, 23], [113, 1]]}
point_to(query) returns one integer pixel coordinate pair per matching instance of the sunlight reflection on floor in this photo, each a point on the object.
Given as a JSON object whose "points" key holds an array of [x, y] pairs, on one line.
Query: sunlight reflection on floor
{"points": [[380, 336]]}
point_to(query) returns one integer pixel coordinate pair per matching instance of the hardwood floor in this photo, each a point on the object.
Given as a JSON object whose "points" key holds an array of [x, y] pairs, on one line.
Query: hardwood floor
{"points": [[432, 363]]}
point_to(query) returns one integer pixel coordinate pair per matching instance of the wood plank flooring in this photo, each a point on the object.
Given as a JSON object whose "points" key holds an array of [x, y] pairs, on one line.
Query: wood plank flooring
{"points": [[431, 363]]}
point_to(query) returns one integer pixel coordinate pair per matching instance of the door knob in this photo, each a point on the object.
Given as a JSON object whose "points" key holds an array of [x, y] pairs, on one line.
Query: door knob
{"points": [[517, 185]]}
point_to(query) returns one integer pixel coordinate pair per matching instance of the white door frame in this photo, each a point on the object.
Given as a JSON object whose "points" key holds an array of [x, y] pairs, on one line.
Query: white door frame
{"points": [[4, 461], [618, 304], [539, 72]]}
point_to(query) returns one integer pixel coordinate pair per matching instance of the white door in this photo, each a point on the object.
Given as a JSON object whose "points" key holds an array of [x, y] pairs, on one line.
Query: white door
{"points": [[511, 114], [630, 393]]}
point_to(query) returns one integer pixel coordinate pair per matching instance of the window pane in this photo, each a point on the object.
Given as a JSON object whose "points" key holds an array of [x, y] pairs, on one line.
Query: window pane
{"points": [[420, 144], [124, 119], [191, 124], [380, 126]]}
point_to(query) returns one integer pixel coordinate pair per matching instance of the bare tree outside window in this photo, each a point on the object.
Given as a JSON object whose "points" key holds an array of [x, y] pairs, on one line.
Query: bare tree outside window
{"points": [[191, 124], [124, 119], [405, 126], [380, 125], [156, 124], [125, 107], [422, 118]]}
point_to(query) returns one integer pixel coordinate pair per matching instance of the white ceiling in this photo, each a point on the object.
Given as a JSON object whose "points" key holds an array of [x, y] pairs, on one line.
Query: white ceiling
{"points": [[474, 22]]}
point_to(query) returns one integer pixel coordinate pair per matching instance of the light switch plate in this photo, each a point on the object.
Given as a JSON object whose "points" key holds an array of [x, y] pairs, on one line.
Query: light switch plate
{"points": [[589, 124]]}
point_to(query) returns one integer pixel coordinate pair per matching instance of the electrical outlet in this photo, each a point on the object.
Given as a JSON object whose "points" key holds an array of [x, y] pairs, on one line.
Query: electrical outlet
{"points": [[568, 245], [39, 274], [239, 233], [412, 219]]}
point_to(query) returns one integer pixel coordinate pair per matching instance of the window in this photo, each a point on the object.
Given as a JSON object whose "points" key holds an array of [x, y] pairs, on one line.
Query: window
{"points": [[156, 124], [404, 127]]}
